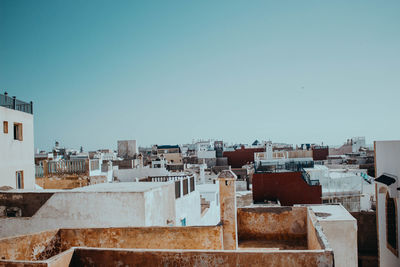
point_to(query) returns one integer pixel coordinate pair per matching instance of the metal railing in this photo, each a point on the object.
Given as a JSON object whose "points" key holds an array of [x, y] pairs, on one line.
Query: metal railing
{"points": [[39, 171], [307, 178], [14, 103], [66, 166]]}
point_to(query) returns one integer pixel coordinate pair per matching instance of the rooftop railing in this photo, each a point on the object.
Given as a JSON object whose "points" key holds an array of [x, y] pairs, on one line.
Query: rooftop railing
{"points": [[14, 103]]}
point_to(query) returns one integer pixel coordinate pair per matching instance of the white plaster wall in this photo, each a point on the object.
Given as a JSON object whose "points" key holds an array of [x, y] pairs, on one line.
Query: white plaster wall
{"points": [[340, 228], [188, 207], [206, 154], [80, 209], [386, 257], [160, 206], [212, 216], [129, 175], [16, 155], [342, 236], [387, 158]]}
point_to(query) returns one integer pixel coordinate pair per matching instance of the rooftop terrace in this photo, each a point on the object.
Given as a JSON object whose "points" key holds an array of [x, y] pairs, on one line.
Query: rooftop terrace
{"points": [[14, 103], [278, 236]]}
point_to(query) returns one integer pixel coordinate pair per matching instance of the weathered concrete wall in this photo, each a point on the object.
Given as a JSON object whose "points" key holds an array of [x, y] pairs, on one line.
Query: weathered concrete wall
{"points": [[81, 209], [138, 257], [69, 181], [38, 246], [244, 198], [272, 223], [130, 175], [44, 245], [159, 208], [61, 260], [188, 207], [228, 214], [340, 228], [29, 203], [127, 149], [197, 237], [313, 239]]}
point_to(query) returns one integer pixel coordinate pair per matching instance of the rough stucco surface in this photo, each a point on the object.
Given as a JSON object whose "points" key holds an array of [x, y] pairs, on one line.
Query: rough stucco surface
{"points": [[29, 203], [30, 247], [93, 257], [227, 199], [201, 237], [272, 223], [81, 209]]}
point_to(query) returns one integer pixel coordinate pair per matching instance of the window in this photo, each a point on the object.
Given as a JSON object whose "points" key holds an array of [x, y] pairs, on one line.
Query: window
{"points": [[20, 179], [185, 186], [18, 131], [5, 127], [191, 184], [391, 225], [177, 189]]}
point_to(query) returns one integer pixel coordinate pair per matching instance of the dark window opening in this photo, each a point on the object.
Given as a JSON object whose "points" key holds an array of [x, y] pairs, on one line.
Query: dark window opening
{"points": [[185, 186], [177, 189], [391, 223]]}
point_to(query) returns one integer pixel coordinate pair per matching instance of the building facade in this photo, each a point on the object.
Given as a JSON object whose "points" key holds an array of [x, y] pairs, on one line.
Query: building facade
{"points": [[387, 154], [17, 168]]}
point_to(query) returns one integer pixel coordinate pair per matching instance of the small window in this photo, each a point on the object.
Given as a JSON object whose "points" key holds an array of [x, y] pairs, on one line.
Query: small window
{"points": [[20, 179], [5, 127], [18, 131], [185, 186]]}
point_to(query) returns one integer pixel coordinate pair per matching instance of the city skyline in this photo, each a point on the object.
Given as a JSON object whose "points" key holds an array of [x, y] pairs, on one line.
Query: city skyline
{"points": [[167, 73]]}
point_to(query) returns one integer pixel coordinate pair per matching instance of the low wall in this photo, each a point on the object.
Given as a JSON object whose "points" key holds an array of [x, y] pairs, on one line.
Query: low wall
{"points": [[279, 223], [43, 245], [28, 203], [198, 237], [114, 257], [32, 247], [313, 239]]}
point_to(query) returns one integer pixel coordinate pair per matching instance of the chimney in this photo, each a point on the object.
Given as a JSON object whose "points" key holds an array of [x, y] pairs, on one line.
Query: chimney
{"points": [[228, 213]]}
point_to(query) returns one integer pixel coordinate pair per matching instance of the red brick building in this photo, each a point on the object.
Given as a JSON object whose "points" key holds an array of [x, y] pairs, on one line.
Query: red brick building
{"points": [[287, 187], [241, 156]]}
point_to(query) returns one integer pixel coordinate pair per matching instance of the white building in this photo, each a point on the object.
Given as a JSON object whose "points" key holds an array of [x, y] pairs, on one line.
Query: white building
{"points": [[357, 143], [17, 168], [387, 162], [340, 228], [127, 149], [100, 205], [353, 188]]}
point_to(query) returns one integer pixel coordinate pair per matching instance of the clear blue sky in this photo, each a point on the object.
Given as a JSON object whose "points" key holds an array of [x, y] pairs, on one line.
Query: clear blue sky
{"points": [[167, 72]]}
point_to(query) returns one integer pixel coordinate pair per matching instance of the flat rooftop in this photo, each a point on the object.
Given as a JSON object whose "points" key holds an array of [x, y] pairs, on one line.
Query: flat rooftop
{"points": [[121, 187], [331, 213]]}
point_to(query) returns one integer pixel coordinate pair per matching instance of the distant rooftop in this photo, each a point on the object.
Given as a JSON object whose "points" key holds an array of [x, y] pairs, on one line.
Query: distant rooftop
{"points": [[14, 103], [121, 187], [167, 146]]}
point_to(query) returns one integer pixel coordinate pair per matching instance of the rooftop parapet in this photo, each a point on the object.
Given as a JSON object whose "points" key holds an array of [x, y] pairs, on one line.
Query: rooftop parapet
{"points": [[14, 103]]}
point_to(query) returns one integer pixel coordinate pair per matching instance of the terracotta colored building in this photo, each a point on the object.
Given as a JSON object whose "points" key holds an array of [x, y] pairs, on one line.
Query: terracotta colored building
{"points": [[241, 156], [320, 152], [288, 187]]}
